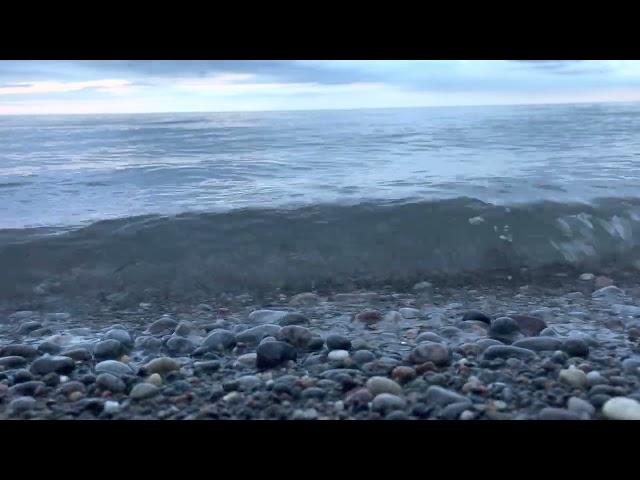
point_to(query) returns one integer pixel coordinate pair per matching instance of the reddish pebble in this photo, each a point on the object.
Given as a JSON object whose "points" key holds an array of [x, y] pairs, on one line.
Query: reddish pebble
{"points": [[369, 316], [426, 367], [403, 374], [603, 281]]}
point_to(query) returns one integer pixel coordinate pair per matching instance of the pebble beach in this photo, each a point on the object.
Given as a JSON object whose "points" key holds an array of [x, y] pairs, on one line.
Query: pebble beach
{"points": [[567, 349]]}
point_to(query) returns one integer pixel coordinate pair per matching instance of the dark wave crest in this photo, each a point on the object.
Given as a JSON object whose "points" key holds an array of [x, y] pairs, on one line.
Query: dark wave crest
{"points": [[243, 250]]}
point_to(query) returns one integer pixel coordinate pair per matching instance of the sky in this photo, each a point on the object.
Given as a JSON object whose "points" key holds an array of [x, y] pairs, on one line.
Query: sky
{"points": [[149, 86]]}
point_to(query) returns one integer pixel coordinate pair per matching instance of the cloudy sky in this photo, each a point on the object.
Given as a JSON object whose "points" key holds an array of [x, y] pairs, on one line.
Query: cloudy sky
{"points": [[124, 86]]}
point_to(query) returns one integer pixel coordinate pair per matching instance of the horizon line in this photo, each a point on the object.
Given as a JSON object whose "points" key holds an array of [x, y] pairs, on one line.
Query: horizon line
{"points": [[541, 104]]}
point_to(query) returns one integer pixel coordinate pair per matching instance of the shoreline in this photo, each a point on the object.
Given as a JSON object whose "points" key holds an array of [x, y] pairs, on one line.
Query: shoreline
{"points": [[396, 353]]}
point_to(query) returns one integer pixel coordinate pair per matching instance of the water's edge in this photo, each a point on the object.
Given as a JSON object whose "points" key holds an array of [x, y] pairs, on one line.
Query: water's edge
{"points": [[191, 255]]}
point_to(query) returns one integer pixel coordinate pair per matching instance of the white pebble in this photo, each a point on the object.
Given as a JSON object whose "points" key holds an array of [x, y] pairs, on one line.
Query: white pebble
{"points": [[585, 277], [621, 408], [338, 355], [574, 377], [111, 407]]}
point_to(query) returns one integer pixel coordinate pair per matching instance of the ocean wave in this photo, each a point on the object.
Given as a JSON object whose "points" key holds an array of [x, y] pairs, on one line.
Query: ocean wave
{"points": [[248, 249]]}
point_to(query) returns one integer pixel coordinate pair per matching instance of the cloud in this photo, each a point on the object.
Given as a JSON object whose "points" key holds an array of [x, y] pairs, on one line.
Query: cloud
{"points": [[201, 85], [45, 87]]}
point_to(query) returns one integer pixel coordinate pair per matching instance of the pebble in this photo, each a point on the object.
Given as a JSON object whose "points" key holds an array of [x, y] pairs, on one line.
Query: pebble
{"points": [[377, 385], [508, 351], [621, 408], [631, 365], [28, 327], [360, 357], [114, 367], [586, 277], [539, 344], [368, 316], [338, 342], [575, 347], [386, 402], [430, 352], [248, 359], [574, 377], [338, 356], [430, 337], [219, 340], [165, 324], [580, 406], [254, 335], [208, 366], [162, 365], [121, 336], [595, 378], [148, 343], [143, 390], [422, 286], [19, 350], [48, 364], [403, 374], [442, 397], [154, 379], [453, 411], [609, 292], [366, 297], [12, 362], [267, 316], [111, 407], [108, 350], [295, 335], [552, 413], [178, 345], [306, 299], [273, 354], [505, 329], [22, 404], [392, 316], [108, 381], [293, 319], [306, 414], [409, 313], [476, 315], [78, 354], [530, 326], [467, 415], [249, 382]]}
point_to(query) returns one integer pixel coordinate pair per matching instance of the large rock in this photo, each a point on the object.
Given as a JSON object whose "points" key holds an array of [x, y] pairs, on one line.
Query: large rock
{"points": [[162, 365], [108, 350], [508, 351], [377, 385], [178, 345], [505, 329], [575, 347], [296, 335], [164, 325], [338, 342], [49, 364], [25, 351], [254, 335], [621, 408], [293, 319], [530, 326], [430, 352], [114, 367], [219, 340], [121, 336], [273, 354]]}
